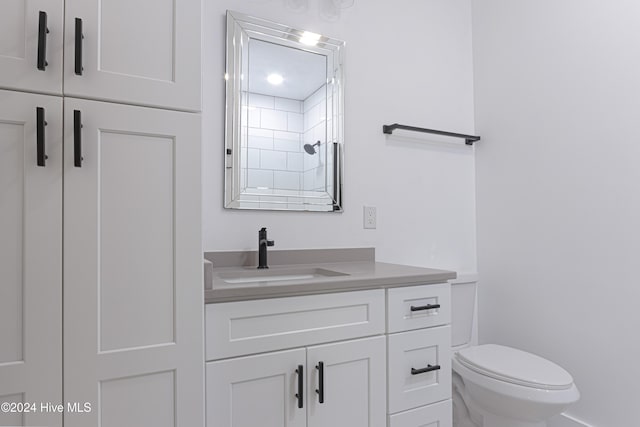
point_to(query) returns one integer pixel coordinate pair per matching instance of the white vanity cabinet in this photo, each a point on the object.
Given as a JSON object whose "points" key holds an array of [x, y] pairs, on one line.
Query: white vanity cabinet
{"points": [[349, 375], [374, 357], [145, 52]]}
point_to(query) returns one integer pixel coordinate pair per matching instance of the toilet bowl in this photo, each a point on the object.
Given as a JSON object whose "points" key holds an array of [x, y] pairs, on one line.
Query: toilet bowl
{"points": [[498, 386], [505, 387]]}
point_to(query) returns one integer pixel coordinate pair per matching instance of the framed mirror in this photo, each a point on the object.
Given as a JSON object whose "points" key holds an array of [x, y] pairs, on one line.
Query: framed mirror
{"points": [[284, 117]]}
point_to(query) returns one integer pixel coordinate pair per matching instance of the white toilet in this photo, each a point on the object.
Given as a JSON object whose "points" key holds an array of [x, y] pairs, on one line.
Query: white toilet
{"points": [[497, 386]]}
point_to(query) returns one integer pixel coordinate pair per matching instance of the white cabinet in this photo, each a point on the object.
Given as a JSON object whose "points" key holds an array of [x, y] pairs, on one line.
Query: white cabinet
{"points": [[256, 391], [418, 307], [419, 368], [132, 288], [143, 52], [132, 327], [31, 57], [351, 377], [317, 382], [132, 317], [246, 327], [436, 415], [353, 373], [419, 349], [326, 385], [30, 256]]}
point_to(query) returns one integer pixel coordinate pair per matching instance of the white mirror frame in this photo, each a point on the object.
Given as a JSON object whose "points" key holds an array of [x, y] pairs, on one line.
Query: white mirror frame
{"points": [[240, 29]]}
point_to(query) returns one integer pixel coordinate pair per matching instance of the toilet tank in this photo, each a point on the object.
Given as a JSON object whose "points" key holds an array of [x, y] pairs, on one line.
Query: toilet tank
{"points": [[463, 303]]}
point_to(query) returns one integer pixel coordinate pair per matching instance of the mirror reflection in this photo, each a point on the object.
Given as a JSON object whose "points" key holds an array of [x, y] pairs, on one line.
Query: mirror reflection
{"points": [[284, 120]]}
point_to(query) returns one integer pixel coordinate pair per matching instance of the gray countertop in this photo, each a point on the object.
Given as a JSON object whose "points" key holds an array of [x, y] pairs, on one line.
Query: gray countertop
{"points": [[354, 275]]}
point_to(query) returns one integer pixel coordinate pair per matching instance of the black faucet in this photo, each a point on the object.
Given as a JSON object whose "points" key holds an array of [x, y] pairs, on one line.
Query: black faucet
{"points": [[263, 242]]}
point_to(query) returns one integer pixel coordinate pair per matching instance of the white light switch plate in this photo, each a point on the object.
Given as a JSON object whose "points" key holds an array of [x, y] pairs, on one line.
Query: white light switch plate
{"points": [[369, 220]]}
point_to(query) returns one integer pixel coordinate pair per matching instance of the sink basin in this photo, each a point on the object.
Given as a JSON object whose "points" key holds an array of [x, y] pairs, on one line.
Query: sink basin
{"points": [[278, 275]]}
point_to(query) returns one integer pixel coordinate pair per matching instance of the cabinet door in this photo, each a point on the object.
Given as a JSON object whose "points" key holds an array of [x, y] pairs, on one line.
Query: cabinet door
{"points": [[133, 295], [256, 391], [144, 52], [250, 327], [353, 384], [30, 257], [20, 39], [437, 415], [419, 368]]}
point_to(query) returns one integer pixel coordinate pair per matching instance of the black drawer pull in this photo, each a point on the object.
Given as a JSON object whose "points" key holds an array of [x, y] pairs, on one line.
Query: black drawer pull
{"points": [[77, 139], [79, 37], [41, 157], [429, 368], [300, 393], [425, 307], [42, 41], [320, 389]]}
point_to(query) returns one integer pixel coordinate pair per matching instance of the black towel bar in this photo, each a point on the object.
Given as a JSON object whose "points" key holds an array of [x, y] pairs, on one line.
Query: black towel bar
{"points": [[468, 139]]}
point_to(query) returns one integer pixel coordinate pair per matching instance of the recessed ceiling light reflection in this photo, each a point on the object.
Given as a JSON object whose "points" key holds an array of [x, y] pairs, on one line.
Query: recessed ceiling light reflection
{"points": [[275, 79], [309, 38]]}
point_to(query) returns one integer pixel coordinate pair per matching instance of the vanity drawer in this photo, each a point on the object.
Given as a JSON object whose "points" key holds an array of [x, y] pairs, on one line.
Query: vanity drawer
{"points": [[412, 356], [256, 326], [436, 415], [416, 307]]}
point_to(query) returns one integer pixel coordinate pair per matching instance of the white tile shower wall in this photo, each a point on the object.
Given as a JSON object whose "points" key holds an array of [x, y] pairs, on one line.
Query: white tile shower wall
{"points": [[315, 130], [273, 119], [424, 192], [274, 158], [295, 162], [286, 180], [286, 141]]}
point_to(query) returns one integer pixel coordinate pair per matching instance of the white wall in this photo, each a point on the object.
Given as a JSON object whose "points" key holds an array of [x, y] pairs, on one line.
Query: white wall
{"points": [[558, 187], [407, 61]]}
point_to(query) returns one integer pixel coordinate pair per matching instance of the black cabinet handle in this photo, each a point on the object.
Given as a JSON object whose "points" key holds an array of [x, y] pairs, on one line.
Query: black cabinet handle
{"points": [[79, 37], [320, 389], [77, 138], [41, 157], [300, 393], [425, 307], [429, 368], [42, 41]]}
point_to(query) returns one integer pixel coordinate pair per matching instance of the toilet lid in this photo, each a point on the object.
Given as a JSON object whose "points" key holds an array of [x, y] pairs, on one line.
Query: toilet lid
{"points": [[515, 366]]}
